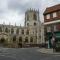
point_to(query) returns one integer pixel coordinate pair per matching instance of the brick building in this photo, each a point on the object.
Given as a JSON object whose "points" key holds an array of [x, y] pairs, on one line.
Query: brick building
{"points": [[52, 23]]}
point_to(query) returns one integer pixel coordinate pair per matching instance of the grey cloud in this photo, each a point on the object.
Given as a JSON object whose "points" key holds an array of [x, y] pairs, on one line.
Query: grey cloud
{"points": [[22, 5], [15, 5]]}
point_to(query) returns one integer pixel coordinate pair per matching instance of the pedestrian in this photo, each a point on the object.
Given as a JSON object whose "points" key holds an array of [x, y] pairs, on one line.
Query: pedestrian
{"points": [[53, 43]]}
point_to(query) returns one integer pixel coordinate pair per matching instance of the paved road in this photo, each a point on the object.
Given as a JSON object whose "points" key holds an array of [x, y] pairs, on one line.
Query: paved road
{"points": [[25, 54]]}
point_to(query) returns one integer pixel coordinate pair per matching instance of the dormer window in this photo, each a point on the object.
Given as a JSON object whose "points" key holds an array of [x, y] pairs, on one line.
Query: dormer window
{"points": [[54, 14], [48, 16]]}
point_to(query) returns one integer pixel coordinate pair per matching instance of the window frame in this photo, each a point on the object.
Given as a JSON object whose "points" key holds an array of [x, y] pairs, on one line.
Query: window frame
{"points": [[54, 14], [48, 16]]}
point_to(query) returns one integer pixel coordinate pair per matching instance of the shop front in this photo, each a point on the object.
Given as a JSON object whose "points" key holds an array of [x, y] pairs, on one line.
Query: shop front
{"points": [[57, 38]]}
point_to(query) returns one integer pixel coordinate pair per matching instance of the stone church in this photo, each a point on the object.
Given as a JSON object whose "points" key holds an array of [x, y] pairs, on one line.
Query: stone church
{"points": [[29, 35]]}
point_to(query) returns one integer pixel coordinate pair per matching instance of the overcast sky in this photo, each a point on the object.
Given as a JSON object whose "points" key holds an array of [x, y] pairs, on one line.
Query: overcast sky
{"points": [[12, 11]]}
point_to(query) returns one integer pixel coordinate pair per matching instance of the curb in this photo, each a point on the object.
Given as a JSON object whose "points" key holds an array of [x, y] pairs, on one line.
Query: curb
{"points": [[58, 53], [51, 53]]}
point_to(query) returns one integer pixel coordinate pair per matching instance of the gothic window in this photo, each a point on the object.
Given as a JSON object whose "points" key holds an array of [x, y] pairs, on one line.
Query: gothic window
{"points": [[36, 31], [22, 31], [36, 37], [0, 29], [26, 39], [27, 32], [17, 31], [14, 38], [2, 40], [39, 36], [6, 30], [34, 24], [31, 39], [12, 30], [48, 29], [27, 17], [9, 30], [34, 17], [20, 39], [27, 24]]}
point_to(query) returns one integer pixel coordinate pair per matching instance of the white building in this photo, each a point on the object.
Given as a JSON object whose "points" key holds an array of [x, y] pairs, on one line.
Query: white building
{"points": [[18, 36]]}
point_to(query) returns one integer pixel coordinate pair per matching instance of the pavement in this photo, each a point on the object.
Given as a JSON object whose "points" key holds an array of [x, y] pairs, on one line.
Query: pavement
{"points": [[25, 54], [48, 51]]}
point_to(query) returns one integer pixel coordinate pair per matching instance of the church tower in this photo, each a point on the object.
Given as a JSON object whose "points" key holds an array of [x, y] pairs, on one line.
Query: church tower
{"points": [[32, 18]]}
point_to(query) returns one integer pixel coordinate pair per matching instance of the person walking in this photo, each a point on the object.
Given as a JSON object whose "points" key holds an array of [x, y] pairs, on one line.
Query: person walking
{"points": [[53, 43]]}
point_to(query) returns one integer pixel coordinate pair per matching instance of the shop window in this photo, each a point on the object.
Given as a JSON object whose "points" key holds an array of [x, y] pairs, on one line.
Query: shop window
{"points": [[48, 29]]}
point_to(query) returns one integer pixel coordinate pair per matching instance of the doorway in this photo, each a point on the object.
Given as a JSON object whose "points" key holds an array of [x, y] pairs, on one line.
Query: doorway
{"points": [[2, 42]]}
